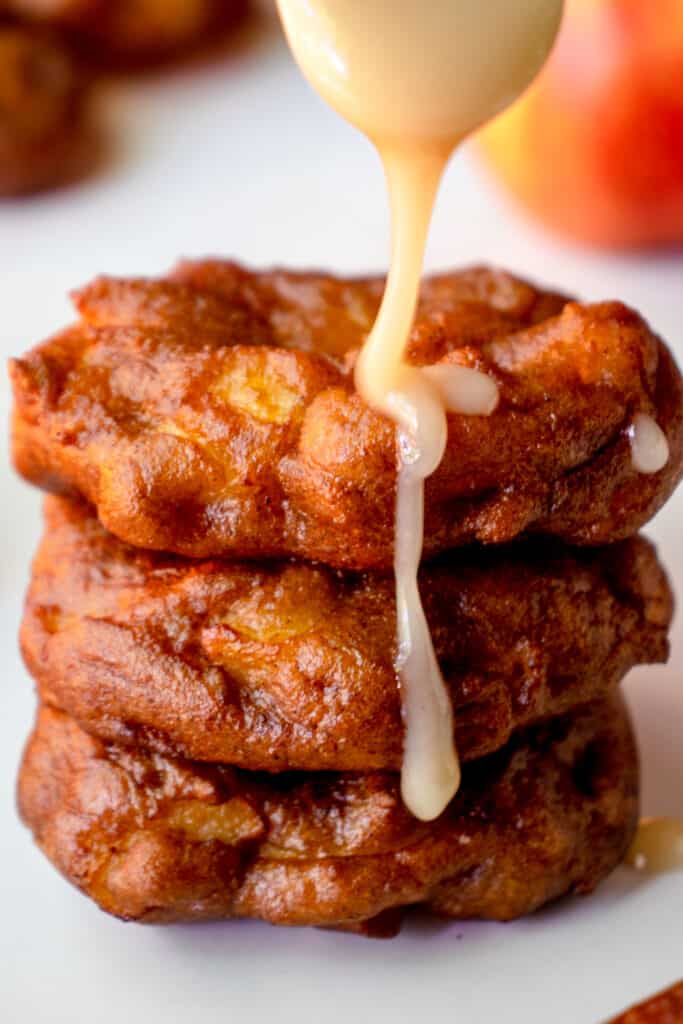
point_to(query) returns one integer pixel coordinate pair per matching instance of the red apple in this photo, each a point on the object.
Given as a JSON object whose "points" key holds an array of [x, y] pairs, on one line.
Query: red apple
{"points": [[595, 147]]}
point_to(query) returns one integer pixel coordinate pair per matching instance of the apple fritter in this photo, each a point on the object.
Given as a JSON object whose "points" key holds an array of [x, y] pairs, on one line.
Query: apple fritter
{"points": [[155, 839], [132, 30], [45, 138], [213, 413], [664, 1008], [283, 665]]}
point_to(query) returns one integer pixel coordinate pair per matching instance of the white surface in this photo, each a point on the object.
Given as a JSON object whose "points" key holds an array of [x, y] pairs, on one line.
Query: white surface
{"points": [[242, 159]]}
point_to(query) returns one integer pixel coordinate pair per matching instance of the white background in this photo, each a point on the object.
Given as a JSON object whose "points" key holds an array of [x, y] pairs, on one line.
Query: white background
{"points": [[239, 158]]}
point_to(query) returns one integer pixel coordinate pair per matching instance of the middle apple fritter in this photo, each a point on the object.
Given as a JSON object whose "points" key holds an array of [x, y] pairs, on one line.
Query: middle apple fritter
{"points": [[290, 665]]}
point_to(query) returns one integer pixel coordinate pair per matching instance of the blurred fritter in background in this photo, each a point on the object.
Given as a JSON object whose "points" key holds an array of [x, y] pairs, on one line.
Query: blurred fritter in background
{"points": [[54, 52]]}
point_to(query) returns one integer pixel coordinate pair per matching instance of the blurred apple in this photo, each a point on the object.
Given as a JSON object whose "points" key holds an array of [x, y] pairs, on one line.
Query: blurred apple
{"points": [[595, 148]]}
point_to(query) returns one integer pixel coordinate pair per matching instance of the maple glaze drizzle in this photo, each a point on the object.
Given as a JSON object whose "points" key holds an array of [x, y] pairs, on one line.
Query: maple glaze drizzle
{"points": [[417, 78]]}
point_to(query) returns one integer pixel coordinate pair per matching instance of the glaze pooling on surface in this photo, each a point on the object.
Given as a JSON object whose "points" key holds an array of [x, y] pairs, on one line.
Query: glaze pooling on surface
{"points": [[416, 79], [649, 444], [658, 846]]}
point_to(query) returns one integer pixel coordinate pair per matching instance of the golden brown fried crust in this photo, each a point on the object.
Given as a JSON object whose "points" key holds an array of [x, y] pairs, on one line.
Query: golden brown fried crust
{"points": [[160, 840], [291, 666], [664, 1008], [214, 414], [44, 136], [133, 30]]}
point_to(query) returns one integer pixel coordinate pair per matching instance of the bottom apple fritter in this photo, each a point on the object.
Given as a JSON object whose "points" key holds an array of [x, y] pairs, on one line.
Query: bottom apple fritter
{"points": [[152, 838]]}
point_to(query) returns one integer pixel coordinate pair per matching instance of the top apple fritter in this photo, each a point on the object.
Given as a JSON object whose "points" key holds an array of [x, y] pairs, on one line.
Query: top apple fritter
{"points": [[213, 413]]}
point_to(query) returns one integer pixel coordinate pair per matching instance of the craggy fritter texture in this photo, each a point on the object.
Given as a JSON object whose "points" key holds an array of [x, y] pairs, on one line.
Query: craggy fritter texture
{"points": [[291, 666], [161, 840], [664, 1008], [132, 30], [214, 414], [45, 137]]}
